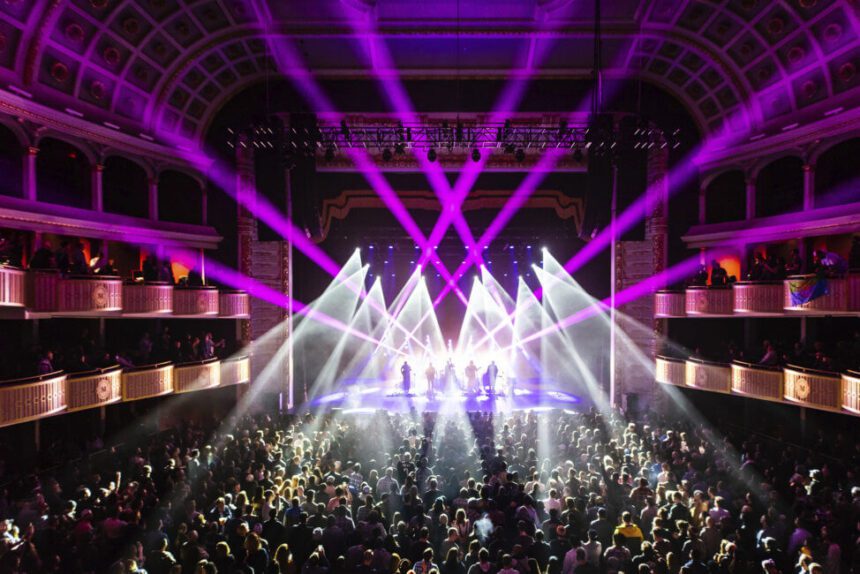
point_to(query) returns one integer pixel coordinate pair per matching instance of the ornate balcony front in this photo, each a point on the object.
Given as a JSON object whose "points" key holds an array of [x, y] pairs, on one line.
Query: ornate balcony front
{"points": [[235, 305], [147, 381], [91, 295], [668, 304], [195, 301], [94, 388], [12, 287], [758, 298], [819, 298], [851, 391], [757, 381], [709, 376], [197, 376], [42, 286], [154, 298], [709, 301], [23, 400], [236, 371], [810, 387], [671, 371]]}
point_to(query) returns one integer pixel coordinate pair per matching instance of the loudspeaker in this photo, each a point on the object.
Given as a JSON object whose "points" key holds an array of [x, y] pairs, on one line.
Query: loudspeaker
{"points": [[303, 175], [598, 181], [270, 178], [632, 179]]}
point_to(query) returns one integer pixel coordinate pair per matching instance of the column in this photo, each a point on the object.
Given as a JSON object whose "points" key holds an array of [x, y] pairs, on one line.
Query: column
{"points": [[153, 198], [808, 186], [97, 188], [246, 225], [29, 174], [750, 185]]}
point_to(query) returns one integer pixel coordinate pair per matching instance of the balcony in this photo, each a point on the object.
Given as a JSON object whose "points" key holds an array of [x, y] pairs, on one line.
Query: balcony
{"points": [[708, 376], [12, 287], [669, 304], [671, 371], [94, 388], [195, 301], [851, 392], [23, 400], [833, 301], [758, 298], [147, 299], [196, 376], [809, 387], [147, 381], [709, 301], [235, 371], [90, 295], [235, 305], [758, 381]]}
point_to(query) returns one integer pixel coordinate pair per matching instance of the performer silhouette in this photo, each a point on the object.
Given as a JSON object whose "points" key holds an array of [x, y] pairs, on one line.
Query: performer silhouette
{"points": [[471, 377], [492, 373], [450, 376], [431, 379], [406, 372]]}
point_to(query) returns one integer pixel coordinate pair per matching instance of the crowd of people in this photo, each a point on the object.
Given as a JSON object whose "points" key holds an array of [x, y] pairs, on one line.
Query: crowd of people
{"points": [[522, 493]]}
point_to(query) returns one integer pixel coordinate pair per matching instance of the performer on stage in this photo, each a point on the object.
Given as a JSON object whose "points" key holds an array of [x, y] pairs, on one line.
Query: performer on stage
{"points": [[450, 376], [471, 378], [406, 372], [431, 379], [492, 373]]}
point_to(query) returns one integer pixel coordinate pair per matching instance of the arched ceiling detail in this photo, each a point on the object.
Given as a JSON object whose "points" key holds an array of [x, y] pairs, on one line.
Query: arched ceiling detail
{"points": [[155, 65]]}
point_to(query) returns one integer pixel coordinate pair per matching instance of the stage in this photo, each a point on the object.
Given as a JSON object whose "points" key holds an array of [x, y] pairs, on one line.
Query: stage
{"points": [[368, 396]]}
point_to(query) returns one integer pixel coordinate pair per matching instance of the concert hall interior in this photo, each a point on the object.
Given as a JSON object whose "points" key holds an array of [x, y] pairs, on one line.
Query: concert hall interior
{"points": [[430, 286]]}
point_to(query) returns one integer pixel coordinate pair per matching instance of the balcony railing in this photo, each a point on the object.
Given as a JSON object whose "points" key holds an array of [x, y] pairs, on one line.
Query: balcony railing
{"points": [[709, 376], [851, 391], [12, 287], [150, 298], [235, 371], [671, 371], [147, 381], [759, 381], [668, 304], [89, 294], [93, 388], [813, 388], [758, 298], [32, 398], [235, 304], [196, 376], [834, 300], [709, 301], [195, 301]]}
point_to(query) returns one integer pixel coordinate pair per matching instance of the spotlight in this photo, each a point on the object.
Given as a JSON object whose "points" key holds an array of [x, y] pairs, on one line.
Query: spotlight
{"points": [[386, 154], [431, 154], [476, 155], [520, 156], [329, 153]]}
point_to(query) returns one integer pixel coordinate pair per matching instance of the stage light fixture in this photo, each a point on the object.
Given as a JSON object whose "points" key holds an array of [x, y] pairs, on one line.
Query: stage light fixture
{"points": [[520, 156], [431, 154], [476, 155], [386, 154]]}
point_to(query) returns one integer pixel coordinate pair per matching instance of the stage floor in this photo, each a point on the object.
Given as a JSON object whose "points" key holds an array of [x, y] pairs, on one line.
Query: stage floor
{"points": [[367, 396]]}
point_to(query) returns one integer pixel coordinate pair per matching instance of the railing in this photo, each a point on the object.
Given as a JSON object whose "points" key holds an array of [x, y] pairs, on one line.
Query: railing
{"points": [[89, 294], [235, 304], [811, 387], [708, 301], [759, 381], [851, 391], [196, 376], [834, 300], [42, 286], [235, 371], [671, 371], [709, 376], [669, 304], [150, 298], [854, 291], [195, 301], [147, 381], [32, 398], [94, 388], [12, 287], [758, 297]]}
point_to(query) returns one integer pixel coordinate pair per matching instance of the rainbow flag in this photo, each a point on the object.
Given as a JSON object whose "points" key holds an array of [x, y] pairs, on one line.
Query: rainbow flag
{"points": [[805, 290]]}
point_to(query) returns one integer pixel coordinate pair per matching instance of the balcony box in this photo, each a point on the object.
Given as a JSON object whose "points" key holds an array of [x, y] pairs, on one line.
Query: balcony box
{"points": [[94, 388], [195, 301], [12, 287], [151, 298], [89, 295], [813, 388], [147, 381], [709, 301], [671, 371], [235, 371], [833, 302], [23, 400], [758, 298], [708, 376], [235, 305], [668, 304], [197, 376], [759, 381]]}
